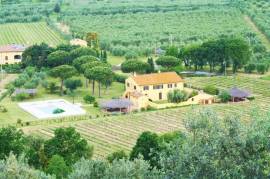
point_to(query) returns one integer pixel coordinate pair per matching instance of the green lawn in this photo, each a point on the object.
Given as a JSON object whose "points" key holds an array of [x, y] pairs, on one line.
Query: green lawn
{"points": [[15, 112], [29, 34]]}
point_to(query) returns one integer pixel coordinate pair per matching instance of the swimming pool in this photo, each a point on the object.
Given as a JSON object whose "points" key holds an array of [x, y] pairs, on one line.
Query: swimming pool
{"points": [[45, 109]]}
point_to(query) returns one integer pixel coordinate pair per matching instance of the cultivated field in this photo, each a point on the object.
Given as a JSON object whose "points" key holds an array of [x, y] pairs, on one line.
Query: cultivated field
{"points": [[28, 34], [120, 132]]}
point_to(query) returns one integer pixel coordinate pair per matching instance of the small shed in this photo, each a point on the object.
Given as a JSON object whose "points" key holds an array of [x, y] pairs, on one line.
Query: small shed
{"points": [[202, 98], [117, 105], [238, 94]]}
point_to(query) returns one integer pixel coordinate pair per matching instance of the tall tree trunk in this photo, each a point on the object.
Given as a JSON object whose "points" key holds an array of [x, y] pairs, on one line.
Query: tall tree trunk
{"points": [[99, 87], [93, 87], [61, 87], [86, 83]]}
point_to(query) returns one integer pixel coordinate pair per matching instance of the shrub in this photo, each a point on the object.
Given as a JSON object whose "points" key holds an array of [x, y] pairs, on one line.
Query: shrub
{"points": [[117, 156], [193, 93], [211, 90], [120, 78], [89, 99], [3, 109], [250, 68], [224, 96], [52, 87], [95, 104], [177, 96], [21, 96], [58, 111], [262, 68], [131, 55]]}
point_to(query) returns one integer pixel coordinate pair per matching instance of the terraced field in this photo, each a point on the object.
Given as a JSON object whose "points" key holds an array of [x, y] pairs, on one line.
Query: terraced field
{"points": [[28, 34], [120, 132]]}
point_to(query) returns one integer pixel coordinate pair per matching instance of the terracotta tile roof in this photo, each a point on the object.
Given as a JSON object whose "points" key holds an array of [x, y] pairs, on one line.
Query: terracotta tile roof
{"points": [[12, 48], [157, 78]]}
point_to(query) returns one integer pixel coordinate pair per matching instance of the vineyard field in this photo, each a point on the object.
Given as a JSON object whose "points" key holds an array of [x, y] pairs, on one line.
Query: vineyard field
{"points": [[28, 34], [120, 132]]}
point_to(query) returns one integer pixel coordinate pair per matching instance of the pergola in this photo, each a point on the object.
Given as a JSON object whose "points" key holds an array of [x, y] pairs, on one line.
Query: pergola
{"points": [[31, 92], [117, 105], [238, 94]]}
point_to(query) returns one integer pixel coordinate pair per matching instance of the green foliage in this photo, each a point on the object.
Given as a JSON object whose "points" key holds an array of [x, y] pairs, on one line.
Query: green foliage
{"points": [[131, 55], [220, 148], [11, 140], [151, 65], [63, 72], [96, 104], [57, 8], [148, 146], [58, 58], [21, 97], [68, 144], [89, 99], [14, 167], [249, 68], [36, 55], [134, 66], [262, 68], [88, 169], [211, 90], [117, 156], [52, 87], [72, 83], [224, 97], [193, 93], [177, 96], [80, 61], [120, 78], [58, 111], [57, 167], [34, 152], [168, 61], [83, 51], [172, 51]]}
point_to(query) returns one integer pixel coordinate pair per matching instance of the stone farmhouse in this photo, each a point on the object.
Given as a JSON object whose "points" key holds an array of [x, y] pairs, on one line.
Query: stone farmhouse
{"points": [[11, 54], [140, 89]]}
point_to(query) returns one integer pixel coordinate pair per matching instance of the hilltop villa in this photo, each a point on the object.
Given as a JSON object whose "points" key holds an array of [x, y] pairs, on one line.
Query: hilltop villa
{"points": [[140, 89], [11, 54]]}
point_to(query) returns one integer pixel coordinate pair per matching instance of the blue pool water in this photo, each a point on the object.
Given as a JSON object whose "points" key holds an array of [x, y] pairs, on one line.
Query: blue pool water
{"points": [[47, 109]]}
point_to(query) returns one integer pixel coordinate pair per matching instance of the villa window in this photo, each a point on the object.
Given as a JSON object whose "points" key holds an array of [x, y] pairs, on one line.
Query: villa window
{"points": [[6, 57], [170, 85], [158, 86], [145, 88], [128, 85], [17, 57], [175, 85], [135, 87]]}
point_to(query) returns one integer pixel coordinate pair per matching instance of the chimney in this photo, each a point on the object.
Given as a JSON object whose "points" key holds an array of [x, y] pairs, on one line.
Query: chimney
{"points": [[134, 74], [159, 71]]}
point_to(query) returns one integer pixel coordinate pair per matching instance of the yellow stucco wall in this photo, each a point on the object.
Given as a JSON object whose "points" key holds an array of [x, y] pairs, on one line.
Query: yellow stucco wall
{"points": [[9, 57], [152, 94]]}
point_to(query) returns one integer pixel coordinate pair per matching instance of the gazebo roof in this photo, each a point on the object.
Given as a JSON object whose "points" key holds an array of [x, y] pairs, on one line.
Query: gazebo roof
{"points": [[116, 103], [238, 93], [27, 91]]}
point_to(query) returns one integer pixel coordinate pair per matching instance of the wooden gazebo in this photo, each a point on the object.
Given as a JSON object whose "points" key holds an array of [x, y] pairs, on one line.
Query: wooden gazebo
{"points": [[117, 105], [238, 94]]}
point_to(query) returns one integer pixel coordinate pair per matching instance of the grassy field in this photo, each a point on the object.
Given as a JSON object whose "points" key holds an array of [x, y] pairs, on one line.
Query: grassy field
{"points": [[28, 34], [113, 133]]}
